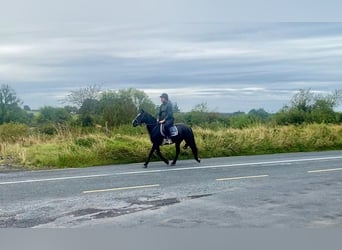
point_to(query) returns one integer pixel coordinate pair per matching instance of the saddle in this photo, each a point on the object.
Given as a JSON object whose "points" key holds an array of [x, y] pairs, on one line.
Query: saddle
{"points": [[173, 130]]}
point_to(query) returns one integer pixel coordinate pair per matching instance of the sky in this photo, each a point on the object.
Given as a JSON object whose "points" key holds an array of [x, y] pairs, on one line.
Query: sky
{"points": [[189, 49]]}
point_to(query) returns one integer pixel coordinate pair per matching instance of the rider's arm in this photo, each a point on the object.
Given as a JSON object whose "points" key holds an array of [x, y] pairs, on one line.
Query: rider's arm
{"points": [[169, 111]]}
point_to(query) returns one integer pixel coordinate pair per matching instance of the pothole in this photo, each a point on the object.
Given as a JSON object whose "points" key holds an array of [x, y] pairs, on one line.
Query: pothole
{"points": [[142, 205], [128, 207]]}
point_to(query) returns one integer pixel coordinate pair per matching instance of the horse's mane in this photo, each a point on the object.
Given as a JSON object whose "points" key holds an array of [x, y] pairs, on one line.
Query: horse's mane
{"points": [[148, 115]]}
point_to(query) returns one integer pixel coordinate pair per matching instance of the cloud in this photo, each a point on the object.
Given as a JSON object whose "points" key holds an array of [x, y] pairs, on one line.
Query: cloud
{"points": [[234, 66]]}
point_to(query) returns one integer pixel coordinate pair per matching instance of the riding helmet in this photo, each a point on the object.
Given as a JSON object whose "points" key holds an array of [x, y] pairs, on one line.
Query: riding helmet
{"points": [[164, 95]]}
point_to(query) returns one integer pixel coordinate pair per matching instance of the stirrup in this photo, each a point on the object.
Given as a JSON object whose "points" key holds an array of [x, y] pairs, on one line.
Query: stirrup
{"points": [[167, 141]]}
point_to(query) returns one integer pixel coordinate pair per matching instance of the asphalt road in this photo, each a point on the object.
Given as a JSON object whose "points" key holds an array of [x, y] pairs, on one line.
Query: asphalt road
{"points": [[282, 190]]}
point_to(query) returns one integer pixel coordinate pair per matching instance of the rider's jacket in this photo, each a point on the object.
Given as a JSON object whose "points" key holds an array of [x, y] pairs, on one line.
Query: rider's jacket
{"points": [[166, 111]]}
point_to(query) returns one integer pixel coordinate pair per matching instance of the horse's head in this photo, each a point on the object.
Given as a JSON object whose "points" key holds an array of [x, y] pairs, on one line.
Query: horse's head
{"points": [[139, 119]]}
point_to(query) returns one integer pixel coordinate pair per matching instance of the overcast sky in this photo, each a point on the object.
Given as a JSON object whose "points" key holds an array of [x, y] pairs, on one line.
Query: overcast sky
{"points": [[49, 48]]}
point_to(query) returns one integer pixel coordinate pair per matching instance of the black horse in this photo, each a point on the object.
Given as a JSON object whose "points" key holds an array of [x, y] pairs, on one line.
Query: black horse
{"points": [[184, 133]]}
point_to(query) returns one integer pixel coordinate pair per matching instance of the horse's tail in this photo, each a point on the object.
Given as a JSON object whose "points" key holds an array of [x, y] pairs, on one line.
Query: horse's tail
{"points": [[190, 139], [190, 142]]}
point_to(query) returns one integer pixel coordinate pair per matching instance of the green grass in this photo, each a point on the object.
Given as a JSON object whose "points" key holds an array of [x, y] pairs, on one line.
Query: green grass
{"points": [[77, 148]]}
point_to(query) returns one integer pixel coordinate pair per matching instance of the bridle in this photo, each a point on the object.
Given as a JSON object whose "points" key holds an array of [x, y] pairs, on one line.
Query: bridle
{"points": [[135, 119], [142, 117]]}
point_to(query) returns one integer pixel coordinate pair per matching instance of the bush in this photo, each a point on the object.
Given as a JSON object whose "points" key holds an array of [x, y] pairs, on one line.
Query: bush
{"points": [[48, 129], [339, 117], [13, 131], [54, 115], [127, 144], [244, 121], [87, 142]]}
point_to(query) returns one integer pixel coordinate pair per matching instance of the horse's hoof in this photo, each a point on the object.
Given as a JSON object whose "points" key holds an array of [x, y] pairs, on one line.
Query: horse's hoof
{"points": [[199, 160], [145, 166], [173, 164]]}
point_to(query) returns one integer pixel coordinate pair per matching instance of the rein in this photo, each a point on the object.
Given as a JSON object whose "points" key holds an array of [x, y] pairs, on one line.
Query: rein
{"points": [[147, 124]]}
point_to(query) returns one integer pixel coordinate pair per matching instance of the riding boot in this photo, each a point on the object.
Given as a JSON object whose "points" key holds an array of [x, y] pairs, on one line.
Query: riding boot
{"points": [[167, 140]]}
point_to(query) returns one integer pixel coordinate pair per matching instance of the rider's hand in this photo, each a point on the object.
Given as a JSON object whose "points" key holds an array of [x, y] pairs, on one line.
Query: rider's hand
{"points": [[162, 121]]}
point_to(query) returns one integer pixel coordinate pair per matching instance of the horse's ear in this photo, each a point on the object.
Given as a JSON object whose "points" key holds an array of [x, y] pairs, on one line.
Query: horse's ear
{"points": [[142, 111]]}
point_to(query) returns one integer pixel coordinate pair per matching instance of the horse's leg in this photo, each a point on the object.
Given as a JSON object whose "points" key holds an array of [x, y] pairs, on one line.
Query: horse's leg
{"points": [[195, 152], [154, 147], [191, 143], [161, 156], [177, 153]]}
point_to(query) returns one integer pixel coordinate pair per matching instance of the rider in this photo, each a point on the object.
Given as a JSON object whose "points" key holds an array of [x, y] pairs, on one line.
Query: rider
{"points": [[166, 115]]}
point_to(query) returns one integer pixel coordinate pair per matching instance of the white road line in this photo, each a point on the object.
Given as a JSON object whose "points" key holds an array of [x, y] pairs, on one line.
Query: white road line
{"points": [[120, 189], [175, 169], [324, 170], [231, 165], [242, 177], [55, 179]]}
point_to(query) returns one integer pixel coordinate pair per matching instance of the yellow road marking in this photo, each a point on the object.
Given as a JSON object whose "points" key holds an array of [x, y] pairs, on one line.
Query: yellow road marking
{"points": [[120, 189], [242, 177], [324, 170]]}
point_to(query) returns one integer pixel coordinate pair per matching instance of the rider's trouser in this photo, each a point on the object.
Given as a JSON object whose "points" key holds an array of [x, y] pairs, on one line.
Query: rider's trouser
{"points": [[168, 124]]}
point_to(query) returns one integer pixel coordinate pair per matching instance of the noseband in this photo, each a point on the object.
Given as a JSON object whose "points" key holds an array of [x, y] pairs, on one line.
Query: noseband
{"points": [[140, 114], [140, 122]]}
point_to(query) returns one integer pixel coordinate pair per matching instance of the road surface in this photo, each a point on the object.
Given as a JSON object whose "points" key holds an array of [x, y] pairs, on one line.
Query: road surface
{"points": [[281, 190]]}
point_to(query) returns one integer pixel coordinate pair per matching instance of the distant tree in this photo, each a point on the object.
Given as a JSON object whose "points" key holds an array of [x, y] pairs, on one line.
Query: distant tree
{"points": [[259, 113], [308, 107], [176, 108], [77, 97], [323, 111], [288, 115], [139, 98], [200, 115], [339, 117], [241, 121], [202, 107], [238, 113], [89, 112], [49, 114], [71, 109], [27, 108], [117, 108], [120, 107], [303, 100], [10, 110], [254, 117], [114, 108]]}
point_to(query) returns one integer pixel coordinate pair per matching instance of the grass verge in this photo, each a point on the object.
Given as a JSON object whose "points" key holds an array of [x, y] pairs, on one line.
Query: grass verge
{"points": [[128, 145]]}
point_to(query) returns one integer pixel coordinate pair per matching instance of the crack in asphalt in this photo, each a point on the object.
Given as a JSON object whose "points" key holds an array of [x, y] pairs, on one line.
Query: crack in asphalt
{"points": [[135, 205], [13, 222]]}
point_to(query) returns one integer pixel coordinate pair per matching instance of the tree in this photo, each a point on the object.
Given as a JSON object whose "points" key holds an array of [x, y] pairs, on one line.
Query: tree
{"points": [[119, 107], [176, 108], [89, 112], [27, 108], [77, 97], [49, 114], [323, 111], [199, 115], [202, 107], [71, 109], [10, 110], [139, 98], [303, 100], [308, 107], [243, 121], [259, 113]]}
